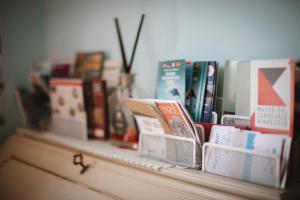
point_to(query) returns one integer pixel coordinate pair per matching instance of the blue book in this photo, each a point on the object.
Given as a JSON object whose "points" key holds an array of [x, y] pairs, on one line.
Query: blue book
{"points": [[188, 84], [210, 92], [171, 80]]}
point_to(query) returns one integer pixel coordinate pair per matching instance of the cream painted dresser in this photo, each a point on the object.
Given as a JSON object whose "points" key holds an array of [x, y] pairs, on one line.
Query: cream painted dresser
{"points": [[41, 166]]}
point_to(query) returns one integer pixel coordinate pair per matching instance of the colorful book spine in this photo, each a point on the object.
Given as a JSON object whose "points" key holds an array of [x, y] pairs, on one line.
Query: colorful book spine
{"points": [[188, 84], [96, 105], [196, 92], [198, 89], [171, 80], [202, 91], [210, 92]]}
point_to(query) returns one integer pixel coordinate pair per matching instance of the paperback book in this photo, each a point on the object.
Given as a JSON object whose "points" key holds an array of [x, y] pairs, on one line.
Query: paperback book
{"points": [[272, 96], [171, 80]]}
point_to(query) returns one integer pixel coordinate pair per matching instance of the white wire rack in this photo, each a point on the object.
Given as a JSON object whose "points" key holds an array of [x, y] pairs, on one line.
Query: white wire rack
{"points": [[242, 164]]}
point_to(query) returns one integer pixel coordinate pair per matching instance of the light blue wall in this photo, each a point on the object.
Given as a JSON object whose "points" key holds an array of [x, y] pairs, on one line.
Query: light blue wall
{"points": [[191, 29], [24, 42]]}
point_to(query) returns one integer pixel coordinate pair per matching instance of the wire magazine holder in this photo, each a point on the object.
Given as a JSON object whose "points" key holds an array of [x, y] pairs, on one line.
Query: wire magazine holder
{"points": [[184, 152], [243, 164], [180, 151], [236, 120]]}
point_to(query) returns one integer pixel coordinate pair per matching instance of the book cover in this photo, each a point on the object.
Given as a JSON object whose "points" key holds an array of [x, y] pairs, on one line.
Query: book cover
{"points": [[97, 110], [89, 65], [171, 80], [67, 99], [272, 96], [69, 116], [210, 92], [188, 84], [176, 118]]}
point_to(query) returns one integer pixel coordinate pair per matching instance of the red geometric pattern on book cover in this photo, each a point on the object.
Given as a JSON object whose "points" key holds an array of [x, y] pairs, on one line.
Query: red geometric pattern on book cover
{"points": [[266, 93]]}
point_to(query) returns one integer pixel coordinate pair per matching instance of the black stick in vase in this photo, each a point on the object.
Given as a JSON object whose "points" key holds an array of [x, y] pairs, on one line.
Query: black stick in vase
{"points": [[121, 45], [136, 41], [127, 68]]}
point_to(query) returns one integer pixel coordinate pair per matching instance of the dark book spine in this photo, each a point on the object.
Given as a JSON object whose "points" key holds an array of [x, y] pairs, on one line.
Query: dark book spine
{"points": [[188, 84], [97, 111], [209, 93]]}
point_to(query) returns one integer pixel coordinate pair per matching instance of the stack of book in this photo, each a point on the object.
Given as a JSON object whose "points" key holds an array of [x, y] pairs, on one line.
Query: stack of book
{"points": [[194, 84], [79, 101]]}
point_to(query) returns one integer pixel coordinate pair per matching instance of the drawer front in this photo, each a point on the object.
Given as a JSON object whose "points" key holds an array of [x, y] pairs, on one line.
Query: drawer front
{"points": [[115, 179], [14, 176]]}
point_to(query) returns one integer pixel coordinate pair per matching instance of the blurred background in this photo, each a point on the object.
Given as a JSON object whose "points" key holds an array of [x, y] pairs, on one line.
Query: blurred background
{"points": [[36, 30]]}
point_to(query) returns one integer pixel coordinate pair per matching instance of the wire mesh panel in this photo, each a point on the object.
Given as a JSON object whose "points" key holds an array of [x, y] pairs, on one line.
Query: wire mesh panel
{"points": [[173, 149], [242, 164], [236, 120]]}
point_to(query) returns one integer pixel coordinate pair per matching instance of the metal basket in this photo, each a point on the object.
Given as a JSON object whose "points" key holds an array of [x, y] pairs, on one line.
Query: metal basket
{"points": [[243, 164], [181, 151]]}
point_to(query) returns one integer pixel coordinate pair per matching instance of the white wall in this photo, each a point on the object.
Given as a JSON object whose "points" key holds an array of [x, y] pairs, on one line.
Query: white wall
{"points": [[191, 29]]}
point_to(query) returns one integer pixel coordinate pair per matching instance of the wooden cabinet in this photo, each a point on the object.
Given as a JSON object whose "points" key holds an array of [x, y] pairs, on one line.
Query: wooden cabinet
{"points": [[20, 180], [42, 164]]}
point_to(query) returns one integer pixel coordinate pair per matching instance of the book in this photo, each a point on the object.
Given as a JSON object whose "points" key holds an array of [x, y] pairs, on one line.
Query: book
{"points": [[210, 92], [97, 110], [176, 119], [229, 87], [242, 89], [272, 96], [171, 114], [171, 80], [188, 84], [89, 65], [198, 85], [68, 108]]}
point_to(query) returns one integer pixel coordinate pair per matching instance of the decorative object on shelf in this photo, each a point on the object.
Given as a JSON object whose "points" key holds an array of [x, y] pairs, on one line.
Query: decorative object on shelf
{"points": [[123, 130]]}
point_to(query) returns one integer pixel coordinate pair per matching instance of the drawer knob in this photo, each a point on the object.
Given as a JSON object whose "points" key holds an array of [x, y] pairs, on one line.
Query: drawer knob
{"points": [[78, 160]]}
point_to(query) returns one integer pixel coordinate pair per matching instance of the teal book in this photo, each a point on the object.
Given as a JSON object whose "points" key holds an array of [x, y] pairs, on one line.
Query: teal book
{"points": [[202, 92], [188, 84], [198, 89], [171, 80]]}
